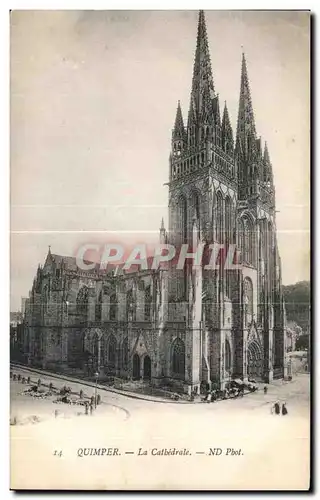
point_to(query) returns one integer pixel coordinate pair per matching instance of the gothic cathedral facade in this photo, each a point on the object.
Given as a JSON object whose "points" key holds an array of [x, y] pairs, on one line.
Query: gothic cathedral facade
{"points": [[180, 328]]}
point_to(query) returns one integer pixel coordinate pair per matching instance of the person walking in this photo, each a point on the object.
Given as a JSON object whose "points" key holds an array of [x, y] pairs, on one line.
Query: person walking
{"points": [[284, 410], [277, 408], [265, 389]]}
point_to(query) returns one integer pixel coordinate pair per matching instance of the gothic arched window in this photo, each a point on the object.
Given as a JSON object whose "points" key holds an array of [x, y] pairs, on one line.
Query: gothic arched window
{"points": [[113, 307], [195, 205], [246, 238], [44, 298], [228, 217], [248, 301], [228, 240], [227, 355], [130, 306], [178, 358], [99, 307], [247, 249], [183, 219], [82, 301], [147, 303], [219, 218], [241, 239]]}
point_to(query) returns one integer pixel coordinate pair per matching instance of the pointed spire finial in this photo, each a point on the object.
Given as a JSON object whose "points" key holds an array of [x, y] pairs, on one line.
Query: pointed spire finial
{"points": [[202, 81], [266, 156], [179, 132], [162, 225], [226, 131], [178, 124], [246, 128]]}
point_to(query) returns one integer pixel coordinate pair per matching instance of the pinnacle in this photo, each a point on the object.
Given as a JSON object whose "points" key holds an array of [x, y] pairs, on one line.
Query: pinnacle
{"points": [[191, 113], [178, 125], [226, 130], [266, 156], [225, 118]]}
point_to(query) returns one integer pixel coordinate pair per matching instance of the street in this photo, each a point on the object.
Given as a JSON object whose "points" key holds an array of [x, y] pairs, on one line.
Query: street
{"points": [[141, 430]]}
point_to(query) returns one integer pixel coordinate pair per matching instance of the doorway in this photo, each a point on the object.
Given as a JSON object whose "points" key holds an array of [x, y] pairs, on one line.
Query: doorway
{"points": [[136, 367], [147, 368]]}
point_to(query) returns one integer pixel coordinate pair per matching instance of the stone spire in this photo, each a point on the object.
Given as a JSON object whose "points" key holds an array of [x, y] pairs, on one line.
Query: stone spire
{"points": [[246, 129], [191, 114], [179, 135], [178, 132], [202, 81], [163, 233], [226, 132]]}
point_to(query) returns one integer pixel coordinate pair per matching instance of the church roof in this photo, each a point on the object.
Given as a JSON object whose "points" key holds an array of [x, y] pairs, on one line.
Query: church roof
{"points": [[70, 264]]}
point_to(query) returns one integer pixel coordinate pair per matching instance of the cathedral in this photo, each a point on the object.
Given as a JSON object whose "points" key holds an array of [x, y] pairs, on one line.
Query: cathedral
{"points": [[170, 327]]}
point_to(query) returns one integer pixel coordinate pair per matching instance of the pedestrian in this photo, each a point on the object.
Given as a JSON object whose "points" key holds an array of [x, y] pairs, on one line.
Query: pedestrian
{"points": [[19, 377], [14, 376], [98, 399], [81, 394], [277, 408], [91, 408], [86, 408], [284, 410], [28, 380], [11, 374], [265, 389], [39, 382]]}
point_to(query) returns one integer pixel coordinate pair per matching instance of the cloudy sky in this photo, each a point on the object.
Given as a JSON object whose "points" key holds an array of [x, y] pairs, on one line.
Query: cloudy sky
{"points": [[93, 100]]}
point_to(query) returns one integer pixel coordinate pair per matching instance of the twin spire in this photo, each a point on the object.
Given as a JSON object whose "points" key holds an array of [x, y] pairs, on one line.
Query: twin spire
{"points": [[204, 102], [204, 108], [246, 129], [202, 80]]}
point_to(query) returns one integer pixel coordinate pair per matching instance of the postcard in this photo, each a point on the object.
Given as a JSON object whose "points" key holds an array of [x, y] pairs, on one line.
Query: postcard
{"points": [[160, 246]]}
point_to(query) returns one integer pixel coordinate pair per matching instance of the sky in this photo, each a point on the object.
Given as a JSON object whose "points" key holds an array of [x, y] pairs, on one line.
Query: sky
{"points": [[93, 101]]}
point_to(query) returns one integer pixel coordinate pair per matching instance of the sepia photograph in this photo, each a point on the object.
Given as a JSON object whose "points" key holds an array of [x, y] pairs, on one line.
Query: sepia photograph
{"points": [[160, 315]]}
